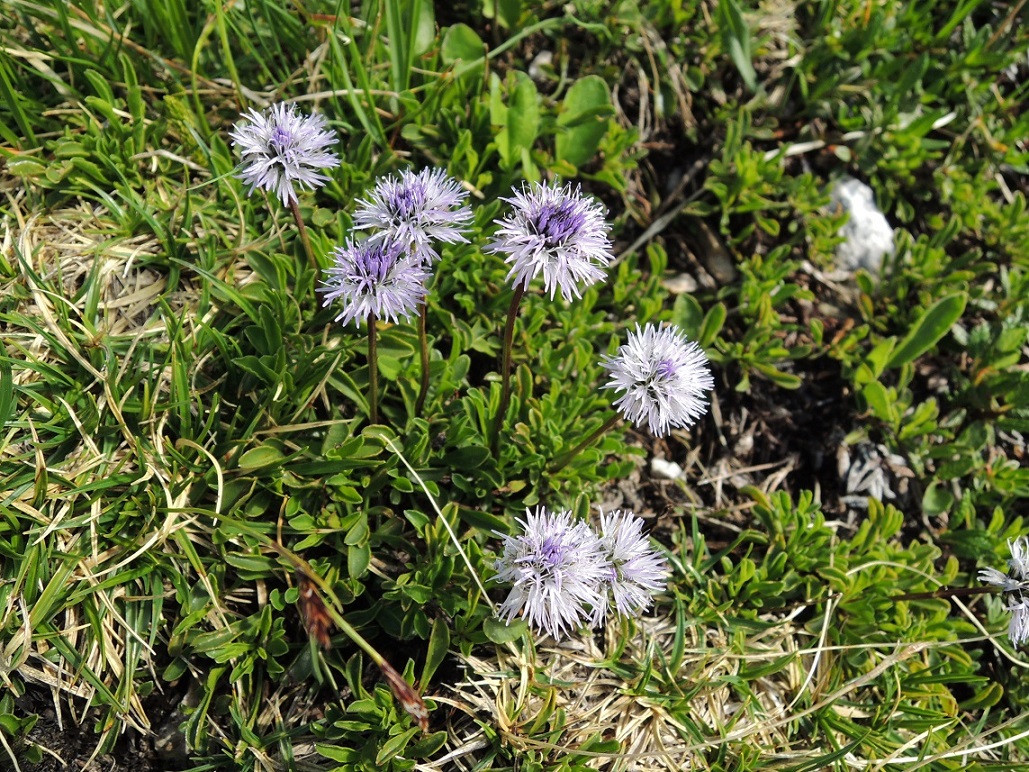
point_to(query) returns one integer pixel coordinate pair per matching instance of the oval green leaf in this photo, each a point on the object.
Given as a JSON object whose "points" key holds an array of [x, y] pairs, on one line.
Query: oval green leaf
{"points": [[393, 746], [928, 330], [256, 458], [439, 642], [461, 44], [583, 121], [500, 632]]}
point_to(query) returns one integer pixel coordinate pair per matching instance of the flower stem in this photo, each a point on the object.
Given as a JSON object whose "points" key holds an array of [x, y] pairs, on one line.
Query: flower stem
{"points": [[423, 344], [505, 383], [294, 207], [562, 461], [311, 582], [373, 370]]}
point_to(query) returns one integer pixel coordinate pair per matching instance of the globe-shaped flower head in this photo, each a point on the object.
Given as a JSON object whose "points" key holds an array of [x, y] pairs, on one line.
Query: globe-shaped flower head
{"points": [[1015, 588], [374, 278], [664, 377], [416, 210], [636, 571], [557, 568], [557, 232], [282, 148]]}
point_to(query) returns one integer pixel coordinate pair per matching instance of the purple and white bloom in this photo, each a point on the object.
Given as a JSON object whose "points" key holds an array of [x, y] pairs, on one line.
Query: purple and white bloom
{"points": [[374, 279], [664, 377], [635, 570], [557, 569], [555, 231], [1015, 587], [282, 148], [416, 210]]}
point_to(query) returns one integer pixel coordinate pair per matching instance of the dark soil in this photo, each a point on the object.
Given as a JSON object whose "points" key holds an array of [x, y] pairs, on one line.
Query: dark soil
{"points": [[64, 746]]}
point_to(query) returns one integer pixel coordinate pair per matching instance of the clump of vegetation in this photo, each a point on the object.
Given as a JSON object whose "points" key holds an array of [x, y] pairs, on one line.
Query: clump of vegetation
{"points": [[222, 501]]}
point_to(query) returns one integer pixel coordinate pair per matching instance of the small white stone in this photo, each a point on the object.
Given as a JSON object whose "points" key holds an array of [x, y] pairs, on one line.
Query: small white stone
{"points": [[682, 284], [543, 59], [868, 236], [667, 470]]}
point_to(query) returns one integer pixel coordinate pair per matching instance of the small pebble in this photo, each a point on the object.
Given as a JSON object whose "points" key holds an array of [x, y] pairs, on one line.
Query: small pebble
{"points": [[667, 470], [868, 236]]}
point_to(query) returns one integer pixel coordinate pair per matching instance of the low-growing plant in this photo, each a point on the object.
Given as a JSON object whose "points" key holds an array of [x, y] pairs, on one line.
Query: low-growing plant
{"points": [[255, 447]]}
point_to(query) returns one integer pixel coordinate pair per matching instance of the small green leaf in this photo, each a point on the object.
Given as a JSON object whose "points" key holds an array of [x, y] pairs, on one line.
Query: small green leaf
{"points": [[358, 559], [928, 330], [427, 746], [937, 499], [439, 642], [338, 753], [424, 29], [583, 121], [25, 167], [687, 315], [482, 521], [467, 457], [261, 456], [419, 593], [875, 362], [254, 564], [500, 632], [878, 400], [523, 119], [986, 695], [461, 44], [736, 39], [969, 545], [778, 377], [358, 533], [393, 746], [713, 322], [508, 12]]}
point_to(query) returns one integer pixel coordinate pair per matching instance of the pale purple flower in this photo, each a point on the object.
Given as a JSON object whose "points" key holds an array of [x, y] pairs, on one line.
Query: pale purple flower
{"points": [[416, 210], [282, 148], [635, 570], [1015, 588], [557, 232], [374, 278], [664, 377], [557, 570]]}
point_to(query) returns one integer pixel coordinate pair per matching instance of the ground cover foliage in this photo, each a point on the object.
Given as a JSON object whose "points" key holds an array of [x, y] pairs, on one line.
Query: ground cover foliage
{"points": [[185, 426]]}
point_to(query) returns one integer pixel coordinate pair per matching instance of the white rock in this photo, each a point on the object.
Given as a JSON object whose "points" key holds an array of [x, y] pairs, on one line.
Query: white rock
{"points": [[682, 284], [668, 470], [544, 59], [868, 236]]}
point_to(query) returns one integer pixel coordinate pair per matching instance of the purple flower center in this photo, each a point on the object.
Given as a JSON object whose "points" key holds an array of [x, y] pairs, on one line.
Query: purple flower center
{"points": [[405, 202], [559, 222], [553, 551], [665, 368], [550, 555], [281, 140], [373, 266]]}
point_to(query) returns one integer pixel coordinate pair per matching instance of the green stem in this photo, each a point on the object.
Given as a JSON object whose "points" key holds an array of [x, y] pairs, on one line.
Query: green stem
{"points": [[562, 462], [334, 607], [423, 344], [505, 383], [294, 207], [373, 371]]}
